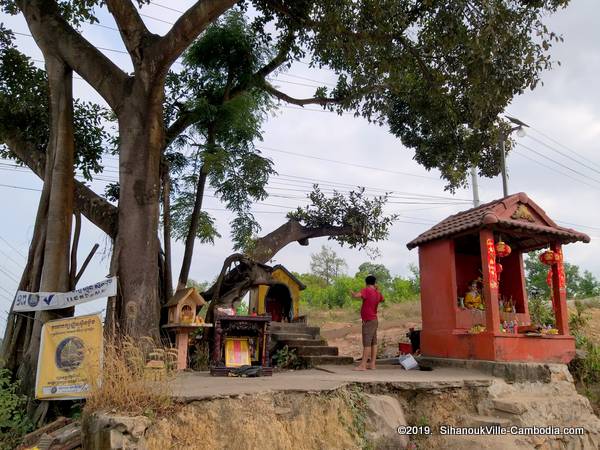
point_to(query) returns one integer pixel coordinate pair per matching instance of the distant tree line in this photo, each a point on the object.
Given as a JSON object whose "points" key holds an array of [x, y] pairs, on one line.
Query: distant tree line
{"points": [[580, 284], [328, 285]]}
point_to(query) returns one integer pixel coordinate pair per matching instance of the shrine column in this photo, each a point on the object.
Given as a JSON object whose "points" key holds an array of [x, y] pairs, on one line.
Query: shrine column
{"points": [[490, 280], [559, 292]]}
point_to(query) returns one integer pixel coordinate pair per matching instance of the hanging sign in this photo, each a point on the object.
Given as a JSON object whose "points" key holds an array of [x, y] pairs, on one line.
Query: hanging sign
{"points": [[491, 257], [39, 301], [70, 358]]}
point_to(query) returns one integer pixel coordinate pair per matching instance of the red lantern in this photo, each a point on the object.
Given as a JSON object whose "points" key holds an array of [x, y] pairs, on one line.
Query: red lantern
{"points": [[499, 270], [502, 249], [558, 257], [548, 257]]}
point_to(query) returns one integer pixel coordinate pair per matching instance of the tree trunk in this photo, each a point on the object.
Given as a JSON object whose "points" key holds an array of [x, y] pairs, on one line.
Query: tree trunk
{"points": [[141, 136], [168, 277], [191, 236], [59, 177]]}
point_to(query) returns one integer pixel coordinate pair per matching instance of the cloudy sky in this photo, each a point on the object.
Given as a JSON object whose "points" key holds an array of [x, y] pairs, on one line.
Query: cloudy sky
{"points": [[557, 163]]}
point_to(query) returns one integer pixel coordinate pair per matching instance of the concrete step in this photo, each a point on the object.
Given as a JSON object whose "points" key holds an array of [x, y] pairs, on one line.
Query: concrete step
{"points": [[293, 343], [325, 360], [484, 421], [317, 350], [291, 336], [294, 328]]}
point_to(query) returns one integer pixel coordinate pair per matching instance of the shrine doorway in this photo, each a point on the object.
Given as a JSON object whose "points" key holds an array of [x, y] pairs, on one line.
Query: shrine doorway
{"points": [[278, 303]]}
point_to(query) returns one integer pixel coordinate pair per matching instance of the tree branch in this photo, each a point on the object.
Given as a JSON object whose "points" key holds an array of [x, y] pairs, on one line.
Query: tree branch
{"points": [[185, 118], [131, 26], [188, 27], [267, 246], [99, 211], [323, 101], [52, 32]]}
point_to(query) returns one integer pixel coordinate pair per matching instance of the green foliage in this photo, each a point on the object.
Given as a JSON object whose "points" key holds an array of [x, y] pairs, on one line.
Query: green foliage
{"points": [[439, 74], [540, 310], [287, 358], [379, 271], [24, 109], [588, 285], [360, 216], [577, 286], [578, 322], [415, 278], [586, 370], [226, 113], [336, 294], [14, 422], [327, 265]]}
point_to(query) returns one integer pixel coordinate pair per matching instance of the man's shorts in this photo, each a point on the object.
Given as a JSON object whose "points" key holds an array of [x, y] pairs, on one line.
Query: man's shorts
{"points": [[369, 333]]}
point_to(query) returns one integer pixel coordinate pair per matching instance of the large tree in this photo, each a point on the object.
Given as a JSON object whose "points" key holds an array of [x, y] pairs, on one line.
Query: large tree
{"points": [[438, 73]]}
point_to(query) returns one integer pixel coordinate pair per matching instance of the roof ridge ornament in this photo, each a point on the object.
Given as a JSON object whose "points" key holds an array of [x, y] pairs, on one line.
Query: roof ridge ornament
{"points": [[522, 213]]}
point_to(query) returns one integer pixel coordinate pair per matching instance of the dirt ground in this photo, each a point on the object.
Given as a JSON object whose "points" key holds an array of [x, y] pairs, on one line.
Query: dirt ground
{"points": [[342, 328]]}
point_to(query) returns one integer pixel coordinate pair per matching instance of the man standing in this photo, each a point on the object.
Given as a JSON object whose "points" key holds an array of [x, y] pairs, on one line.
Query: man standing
{"points": [[371, 297]]}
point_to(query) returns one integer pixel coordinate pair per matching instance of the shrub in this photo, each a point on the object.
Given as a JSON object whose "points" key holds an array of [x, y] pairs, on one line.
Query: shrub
{"points": [[540, 311], [287, 358], [14, 423]]}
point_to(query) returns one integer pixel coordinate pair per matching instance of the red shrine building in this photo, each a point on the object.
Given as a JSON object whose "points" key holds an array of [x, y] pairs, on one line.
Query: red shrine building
{"points": [[473, 296]]}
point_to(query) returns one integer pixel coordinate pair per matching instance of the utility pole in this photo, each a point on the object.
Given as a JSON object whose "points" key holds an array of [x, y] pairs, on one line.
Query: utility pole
{"points": [[503, 163], [475, 187], [520, 129]]}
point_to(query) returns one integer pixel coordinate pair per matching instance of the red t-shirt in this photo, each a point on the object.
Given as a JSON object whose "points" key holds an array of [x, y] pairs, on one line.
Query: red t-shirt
{"points": [[371, 297]]}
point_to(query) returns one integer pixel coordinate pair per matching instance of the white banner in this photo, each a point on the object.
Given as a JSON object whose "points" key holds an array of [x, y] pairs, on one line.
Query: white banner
{"points": [[39, 301]]}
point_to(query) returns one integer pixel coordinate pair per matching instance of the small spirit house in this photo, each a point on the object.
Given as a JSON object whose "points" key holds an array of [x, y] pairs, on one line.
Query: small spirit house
{"points": [[473, 296], [184, 319], [183, 306]]}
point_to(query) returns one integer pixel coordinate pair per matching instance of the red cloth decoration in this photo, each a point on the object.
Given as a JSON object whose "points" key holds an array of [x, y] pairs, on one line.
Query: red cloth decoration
{"points": [[491, 255]]}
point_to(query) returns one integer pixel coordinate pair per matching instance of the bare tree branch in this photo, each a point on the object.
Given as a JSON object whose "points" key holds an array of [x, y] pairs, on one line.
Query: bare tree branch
{"points": [[323, 101], [54, 34], [188, 27], [267, 246], [131, 26]]}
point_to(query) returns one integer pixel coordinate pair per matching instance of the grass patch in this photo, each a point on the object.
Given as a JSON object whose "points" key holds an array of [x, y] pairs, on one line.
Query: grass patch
{"points": [[134, 379], [408, 310]]}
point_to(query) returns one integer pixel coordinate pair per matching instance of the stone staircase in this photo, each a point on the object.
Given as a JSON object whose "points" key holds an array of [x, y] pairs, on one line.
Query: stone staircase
{"points": [[307, 342]]}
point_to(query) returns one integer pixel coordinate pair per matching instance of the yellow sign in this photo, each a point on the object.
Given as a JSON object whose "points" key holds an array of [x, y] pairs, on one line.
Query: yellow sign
{"points": [[70, 357]]}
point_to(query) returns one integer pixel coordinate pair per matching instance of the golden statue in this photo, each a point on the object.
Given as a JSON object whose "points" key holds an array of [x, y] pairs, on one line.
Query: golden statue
{"points": [[473, 297]]}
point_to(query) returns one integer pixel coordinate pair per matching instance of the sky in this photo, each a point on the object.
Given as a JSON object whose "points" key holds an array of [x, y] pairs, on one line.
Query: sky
{"points": [[557, 163]]}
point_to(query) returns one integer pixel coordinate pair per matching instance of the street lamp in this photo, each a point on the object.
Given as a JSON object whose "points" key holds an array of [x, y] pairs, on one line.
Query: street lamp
{"points": [[520, 129]]}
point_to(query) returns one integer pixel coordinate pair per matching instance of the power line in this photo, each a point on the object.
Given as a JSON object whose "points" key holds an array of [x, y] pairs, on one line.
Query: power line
{"points": [[167, 7], [565, 147], [559, 163], [570, 158], [11, 246], [8, 274], [555, 170], [380, 169]]}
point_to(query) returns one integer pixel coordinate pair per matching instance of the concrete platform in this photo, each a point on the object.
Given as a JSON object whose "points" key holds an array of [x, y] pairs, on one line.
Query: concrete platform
{"points": [[190, 386]]}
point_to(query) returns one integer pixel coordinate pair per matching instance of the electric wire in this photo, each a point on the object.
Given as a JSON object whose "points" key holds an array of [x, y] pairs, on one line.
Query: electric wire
{"points": [[550, 138]]}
